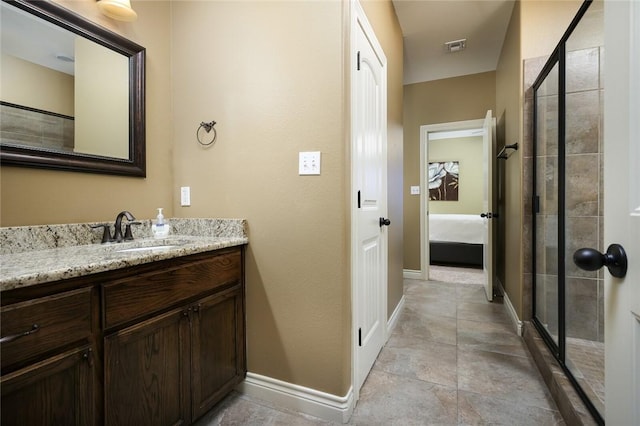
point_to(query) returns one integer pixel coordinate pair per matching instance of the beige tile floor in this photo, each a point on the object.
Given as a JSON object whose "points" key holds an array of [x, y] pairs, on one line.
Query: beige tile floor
{"points": [[452, 359]]}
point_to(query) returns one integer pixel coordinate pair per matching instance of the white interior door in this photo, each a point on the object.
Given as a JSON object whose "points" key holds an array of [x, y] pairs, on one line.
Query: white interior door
{"points": [[622, 210], [487, 204], [369, 168]]}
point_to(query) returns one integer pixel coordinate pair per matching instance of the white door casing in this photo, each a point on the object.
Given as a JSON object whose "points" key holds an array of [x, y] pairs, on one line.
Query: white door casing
{"points": [[487, 203], [622, 210], [487, 126], [425, 255], [369, 194]]}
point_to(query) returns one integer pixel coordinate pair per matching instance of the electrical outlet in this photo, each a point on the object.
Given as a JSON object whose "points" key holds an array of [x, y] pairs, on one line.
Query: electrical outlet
{"points": [[309, 163], [185, 196], [415, 190]]}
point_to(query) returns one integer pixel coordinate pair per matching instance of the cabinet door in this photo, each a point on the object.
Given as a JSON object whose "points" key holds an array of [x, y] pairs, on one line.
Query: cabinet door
{"points": [[147, 372], [57, 391], [218, 351]]}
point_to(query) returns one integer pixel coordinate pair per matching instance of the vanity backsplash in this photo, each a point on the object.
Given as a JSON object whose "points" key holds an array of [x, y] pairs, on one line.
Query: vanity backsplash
{"points": [[18, 239]]}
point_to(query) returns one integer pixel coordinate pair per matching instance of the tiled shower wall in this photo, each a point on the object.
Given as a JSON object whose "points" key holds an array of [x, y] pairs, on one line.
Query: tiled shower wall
{"points": [[583, 201], [19, 126]]}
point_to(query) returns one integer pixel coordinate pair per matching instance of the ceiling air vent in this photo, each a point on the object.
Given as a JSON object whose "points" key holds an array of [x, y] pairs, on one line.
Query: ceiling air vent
{"points": [[456, 45]]}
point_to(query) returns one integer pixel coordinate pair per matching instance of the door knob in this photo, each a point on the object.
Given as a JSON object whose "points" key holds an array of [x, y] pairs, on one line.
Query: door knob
{"points": [[489, 215], [615, 259], [384, 222]]}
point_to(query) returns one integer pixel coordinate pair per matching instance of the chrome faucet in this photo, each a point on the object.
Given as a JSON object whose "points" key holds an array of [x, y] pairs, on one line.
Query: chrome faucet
{"points": [[117, 234]]}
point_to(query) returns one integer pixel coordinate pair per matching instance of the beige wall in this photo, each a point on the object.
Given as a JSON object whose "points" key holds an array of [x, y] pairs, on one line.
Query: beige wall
{"points": [[278, 89], [271, 75], [440, 101], [468, 152], [509, 128], [25, 83], [31, 196], [543, 23]]}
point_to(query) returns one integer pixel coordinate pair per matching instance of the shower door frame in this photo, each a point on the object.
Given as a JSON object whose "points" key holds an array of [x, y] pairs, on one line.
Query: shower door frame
{"points": [[558, 57]]}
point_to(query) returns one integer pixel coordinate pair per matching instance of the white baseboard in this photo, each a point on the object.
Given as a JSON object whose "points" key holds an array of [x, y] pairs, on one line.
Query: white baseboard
{"points": [[393, 320], [518, 324], [297, 398], [412, 274]]}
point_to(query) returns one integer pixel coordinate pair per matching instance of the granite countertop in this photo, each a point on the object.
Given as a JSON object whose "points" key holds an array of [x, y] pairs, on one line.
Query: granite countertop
{"points": [[22, 267]]}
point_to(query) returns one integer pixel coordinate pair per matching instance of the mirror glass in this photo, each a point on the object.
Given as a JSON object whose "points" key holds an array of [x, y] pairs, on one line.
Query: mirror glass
{"points": [[72, 93]]}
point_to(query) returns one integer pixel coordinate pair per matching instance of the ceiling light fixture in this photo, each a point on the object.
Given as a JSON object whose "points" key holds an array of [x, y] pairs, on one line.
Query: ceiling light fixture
{"points": [[456, 45], [117, 9]]}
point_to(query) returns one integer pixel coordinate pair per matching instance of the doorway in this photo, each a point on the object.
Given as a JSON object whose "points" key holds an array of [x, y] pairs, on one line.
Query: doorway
{"points": [[458, 230]]}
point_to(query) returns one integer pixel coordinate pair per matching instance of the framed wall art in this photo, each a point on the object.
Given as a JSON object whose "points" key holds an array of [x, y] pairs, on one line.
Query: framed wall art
{"points": [[444, 180]]}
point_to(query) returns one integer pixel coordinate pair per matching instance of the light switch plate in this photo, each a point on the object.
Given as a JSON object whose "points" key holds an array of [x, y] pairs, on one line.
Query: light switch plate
{"points": [[309, 163], [185, 196], [415, 190]]}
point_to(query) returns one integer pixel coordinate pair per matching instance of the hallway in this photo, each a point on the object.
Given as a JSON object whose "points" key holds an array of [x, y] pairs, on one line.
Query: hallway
{"points": [[453, 358]]}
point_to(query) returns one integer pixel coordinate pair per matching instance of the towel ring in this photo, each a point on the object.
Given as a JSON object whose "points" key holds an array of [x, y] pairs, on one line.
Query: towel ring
{"points": [[208, 127]]}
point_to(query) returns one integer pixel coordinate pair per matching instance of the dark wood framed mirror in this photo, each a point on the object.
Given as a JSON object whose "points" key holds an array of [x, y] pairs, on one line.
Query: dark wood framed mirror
{"points": [[99, 141]]}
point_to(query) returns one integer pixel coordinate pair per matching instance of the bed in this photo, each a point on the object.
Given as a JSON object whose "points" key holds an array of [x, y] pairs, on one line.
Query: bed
{"points": [[456, 239]]}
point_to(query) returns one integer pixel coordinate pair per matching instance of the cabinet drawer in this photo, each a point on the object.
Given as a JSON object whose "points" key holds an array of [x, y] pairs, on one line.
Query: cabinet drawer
{"points": [[127, 299], [38, 326]]}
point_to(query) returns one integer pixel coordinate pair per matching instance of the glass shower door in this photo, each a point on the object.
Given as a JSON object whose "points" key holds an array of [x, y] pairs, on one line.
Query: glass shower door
{"points": [[546, 217]]}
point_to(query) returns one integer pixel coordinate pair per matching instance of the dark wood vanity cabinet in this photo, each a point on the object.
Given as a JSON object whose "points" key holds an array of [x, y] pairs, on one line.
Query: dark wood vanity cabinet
{"points": [[169, 345], [172, 368]]}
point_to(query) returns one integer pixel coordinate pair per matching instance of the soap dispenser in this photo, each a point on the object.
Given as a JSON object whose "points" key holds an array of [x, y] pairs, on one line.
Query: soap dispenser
{"points": [[160, 229]]}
